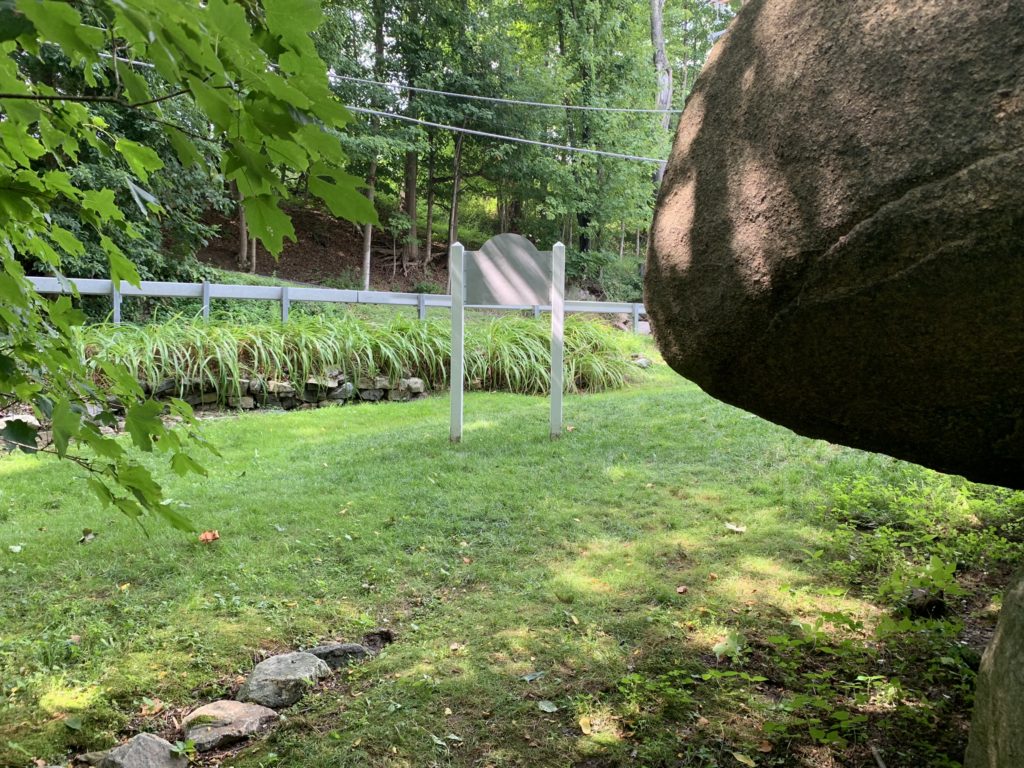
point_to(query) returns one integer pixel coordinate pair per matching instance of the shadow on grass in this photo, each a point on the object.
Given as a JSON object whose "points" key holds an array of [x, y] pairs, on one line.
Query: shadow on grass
{"points": [[595, 572]]}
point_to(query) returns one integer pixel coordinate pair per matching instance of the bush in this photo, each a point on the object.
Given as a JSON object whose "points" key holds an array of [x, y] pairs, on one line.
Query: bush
{"points": [[510, 353], [428, 286]]}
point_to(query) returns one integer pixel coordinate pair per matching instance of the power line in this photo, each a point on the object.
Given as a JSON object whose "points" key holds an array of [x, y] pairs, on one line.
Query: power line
{"points": [[506, 101], [498, 136], [485, 134]]}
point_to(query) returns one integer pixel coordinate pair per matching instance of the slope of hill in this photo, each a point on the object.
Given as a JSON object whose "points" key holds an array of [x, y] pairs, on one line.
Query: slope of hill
{"points": [[327, 251]]}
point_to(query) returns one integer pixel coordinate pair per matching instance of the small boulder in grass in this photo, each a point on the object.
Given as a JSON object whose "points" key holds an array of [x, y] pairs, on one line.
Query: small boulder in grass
{"points": [[143, 751], [376, 639], [337, 655], [223, 723], [280, 681]]}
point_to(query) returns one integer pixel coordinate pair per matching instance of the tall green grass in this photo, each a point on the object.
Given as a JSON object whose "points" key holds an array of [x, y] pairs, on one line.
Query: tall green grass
{"points": [[510, 353]]}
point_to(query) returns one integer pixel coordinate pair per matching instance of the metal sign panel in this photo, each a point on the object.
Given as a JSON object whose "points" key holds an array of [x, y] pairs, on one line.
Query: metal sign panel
{"points": [[508, 269]]}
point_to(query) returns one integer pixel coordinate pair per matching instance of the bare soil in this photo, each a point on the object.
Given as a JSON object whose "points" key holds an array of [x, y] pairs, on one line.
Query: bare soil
{"points": [[327, 250]]}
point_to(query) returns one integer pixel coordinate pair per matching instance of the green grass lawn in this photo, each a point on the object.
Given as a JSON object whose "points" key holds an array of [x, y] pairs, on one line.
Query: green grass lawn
{"points": [[596, 572]]}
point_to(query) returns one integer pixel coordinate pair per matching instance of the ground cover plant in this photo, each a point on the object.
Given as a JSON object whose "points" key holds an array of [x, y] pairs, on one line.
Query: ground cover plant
{"points": [[509, 353], [696, 588]]}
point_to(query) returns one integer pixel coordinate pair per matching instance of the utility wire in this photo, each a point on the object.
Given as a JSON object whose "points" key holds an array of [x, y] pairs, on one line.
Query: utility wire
{"points": [[583, 150], [485, 134], [506, 101]]}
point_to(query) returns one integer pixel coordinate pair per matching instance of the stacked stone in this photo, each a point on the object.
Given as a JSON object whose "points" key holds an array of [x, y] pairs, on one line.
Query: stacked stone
{"points": [[317, 392]]}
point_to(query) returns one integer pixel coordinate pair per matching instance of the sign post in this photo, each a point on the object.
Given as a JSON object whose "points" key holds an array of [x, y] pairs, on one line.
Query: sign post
{"points": [[507, 271], [458, 370], [557, 336]]}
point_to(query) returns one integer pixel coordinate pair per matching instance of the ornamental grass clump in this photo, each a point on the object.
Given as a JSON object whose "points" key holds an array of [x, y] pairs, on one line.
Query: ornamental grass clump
{"points": [[510, 353]]}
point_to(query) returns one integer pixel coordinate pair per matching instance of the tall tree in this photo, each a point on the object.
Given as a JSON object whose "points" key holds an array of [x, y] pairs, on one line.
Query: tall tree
{"points": [[662, 71]]}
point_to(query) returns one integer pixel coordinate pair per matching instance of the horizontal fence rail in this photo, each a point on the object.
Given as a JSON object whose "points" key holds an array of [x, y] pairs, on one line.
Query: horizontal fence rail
{"points": [[289, 294]]}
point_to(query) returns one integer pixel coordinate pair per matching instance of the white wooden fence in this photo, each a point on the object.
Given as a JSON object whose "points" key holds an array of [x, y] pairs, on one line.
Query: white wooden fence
{"points": [[287, 294]]}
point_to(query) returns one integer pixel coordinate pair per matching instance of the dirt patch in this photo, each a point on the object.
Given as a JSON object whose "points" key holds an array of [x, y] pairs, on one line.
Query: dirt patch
{"points": [[327, 251]]}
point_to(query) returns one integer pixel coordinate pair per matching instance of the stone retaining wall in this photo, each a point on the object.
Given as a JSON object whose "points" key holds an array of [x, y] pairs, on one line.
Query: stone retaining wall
{"points": [[333, 389]]}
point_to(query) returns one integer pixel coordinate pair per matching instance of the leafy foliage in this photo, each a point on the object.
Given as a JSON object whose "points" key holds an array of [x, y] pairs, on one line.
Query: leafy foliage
{"points": [[246, 79]]}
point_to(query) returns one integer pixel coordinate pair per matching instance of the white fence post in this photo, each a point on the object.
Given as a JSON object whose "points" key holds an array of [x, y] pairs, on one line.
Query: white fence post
{"points": [[206, 299], [456, 271], [421, 304], [557, 334], [636, 318], [285, 304], [115, 297]]}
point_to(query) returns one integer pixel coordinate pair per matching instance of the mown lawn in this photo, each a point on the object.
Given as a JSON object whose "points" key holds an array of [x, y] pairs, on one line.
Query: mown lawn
{"points": [[596, 573]]}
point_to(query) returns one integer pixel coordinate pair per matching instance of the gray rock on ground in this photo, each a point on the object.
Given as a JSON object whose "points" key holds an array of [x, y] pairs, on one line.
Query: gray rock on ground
{"points": [[337, 655], [223, 723], [373, 382], [342, 392], [143, 751], [280, 681], [281, 388]]}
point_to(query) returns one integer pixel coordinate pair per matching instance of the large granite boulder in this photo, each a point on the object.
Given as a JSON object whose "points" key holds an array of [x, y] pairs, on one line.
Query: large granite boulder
{"points": [[838, 244], [997, 725]]}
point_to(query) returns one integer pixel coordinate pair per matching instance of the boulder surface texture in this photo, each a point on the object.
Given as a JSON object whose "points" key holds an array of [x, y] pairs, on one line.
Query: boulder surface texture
{"points": [[223, 723], [280, 681], [997, 725], [838, 244]]}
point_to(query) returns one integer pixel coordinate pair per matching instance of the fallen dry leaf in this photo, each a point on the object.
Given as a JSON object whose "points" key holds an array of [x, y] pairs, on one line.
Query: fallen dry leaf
{"points": [[741, 758], [712, 576], [585, 726], [153, 707], [207, 536], [682, 589], [764, 746]]}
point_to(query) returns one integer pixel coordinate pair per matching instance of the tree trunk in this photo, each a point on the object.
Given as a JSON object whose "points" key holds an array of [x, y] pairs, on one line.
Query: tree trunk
{"points": [[622, 238], [638, 242], [252, 256], [662, 71], [583, 222], [410, 254], [371, 188], [242, 257], [430, 206], [371, 177]]}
